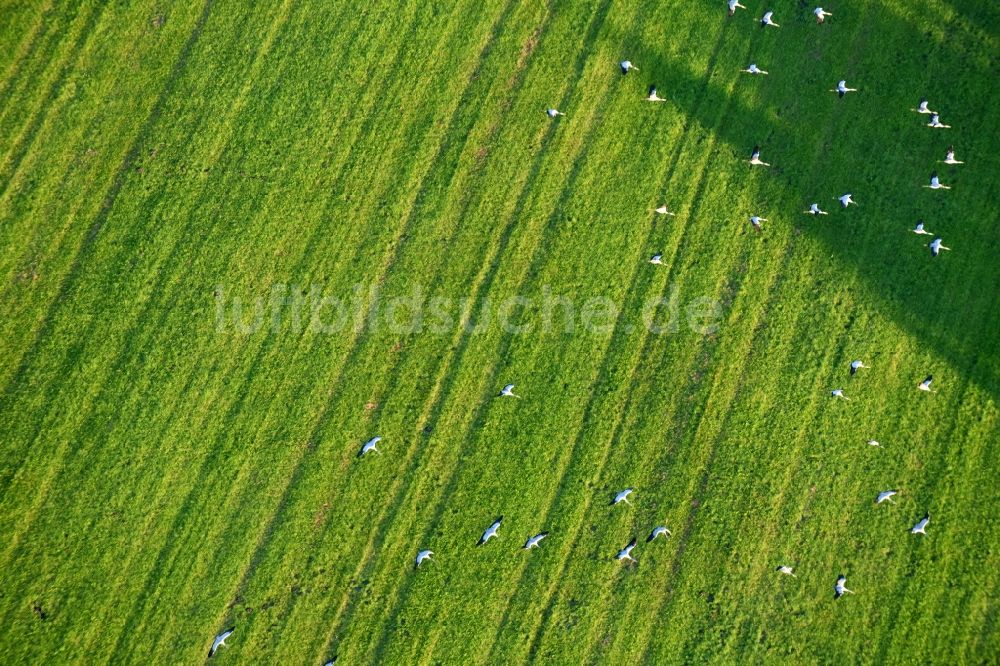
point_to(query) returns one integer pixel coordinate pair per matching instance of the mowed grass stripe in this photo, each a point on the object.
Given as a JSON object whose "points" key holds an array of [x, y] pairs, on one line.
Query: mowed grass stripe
{"points": [[627, 466], [774, 267], [567, 263], [748, 259], [753, 391], [304, 483], [432, 405], [690, 212], [980, 615], [633, 605], [59, 238], [141, 315], [28, 44], [35, 129], [687, 212], [760, 526], [58, 248], [730, 378], [10, 399], [927, 492], [57, 35], [491, 264], [951, 540], [879, 373], [38, 429], [770, 359], [248, 377], [403, 481], [30, 229], [746, 523], [167, 484], [562, 261]]}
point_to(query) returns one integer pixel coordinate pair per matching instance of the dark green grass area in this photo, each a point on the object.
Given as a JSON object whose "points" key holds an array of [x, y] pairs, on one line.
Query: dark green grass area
{"points": [[182, 184]]}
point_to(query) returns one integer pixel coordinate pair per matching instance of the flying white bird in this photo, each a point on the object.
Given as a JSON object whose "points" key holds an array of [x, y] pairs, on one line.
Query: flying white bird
{"points": [[662, 210], [508, 392], [653, 97], [552, 113], [331, 662], [874, 442], [840, 589], [857, 365], [490, 532], [753, 69], [533, 542], [885, 496], [842, 88], [626, 552], [421, 556], [755, 158], [814, 210], [936, 247], [370, 445], [657, 531], [733, 5], [755, 220], [936, 122], [787, 570], [839, 393], [627, 66], [919, 229], [220, 640], [766, 20], [821, 14], [921, 526], [922, 107], [656, 259], [622, 497], [846, 200], [926, 384], [949, 157], [936, 184]]}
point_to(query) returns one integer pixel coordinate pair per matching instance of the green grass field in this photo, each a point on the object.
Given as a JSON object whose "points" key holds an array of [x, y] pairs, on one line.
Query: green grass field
{"points": [[168, 471]]}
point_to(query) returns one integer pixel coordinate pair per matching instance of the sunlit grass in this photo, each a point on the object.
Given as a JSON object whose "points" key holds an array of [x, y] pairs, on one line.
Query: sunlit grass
{"points": [[162, 478]]}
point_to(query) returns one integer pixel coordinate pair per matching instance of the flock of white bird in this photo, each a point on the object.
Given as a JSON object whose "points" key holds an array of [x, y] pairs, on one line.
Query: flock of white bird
{"points": [[625, 554], [846, 200], [936, 245]]}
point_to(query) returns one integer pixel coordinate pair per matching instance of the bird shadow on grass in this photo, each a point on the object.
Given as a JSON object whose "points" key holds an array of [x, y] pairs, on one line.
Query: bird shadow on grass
{"points": [[870, 143]]}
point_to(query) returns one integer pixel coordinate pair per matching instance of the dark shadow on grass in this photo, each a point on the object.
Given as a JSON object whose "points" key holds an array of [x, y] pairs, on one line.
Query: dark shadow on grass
{"points": [[909, 286], [983, 15]]}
